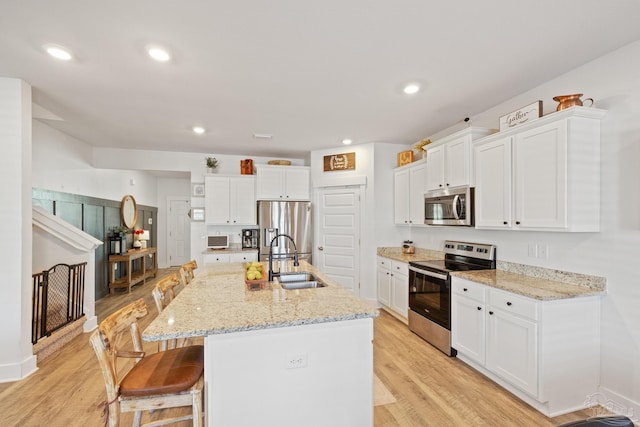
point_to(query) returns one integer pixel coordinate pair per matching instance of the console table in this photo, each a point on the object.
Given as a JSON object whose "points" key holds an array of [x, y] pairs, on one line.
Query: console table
{"points": [[136, 272]]}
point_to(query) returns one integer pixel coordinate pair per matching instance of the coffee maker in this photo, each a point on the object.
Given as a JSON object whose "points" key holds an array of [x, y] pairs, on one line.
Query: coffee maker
{"points": [[250, 238]]}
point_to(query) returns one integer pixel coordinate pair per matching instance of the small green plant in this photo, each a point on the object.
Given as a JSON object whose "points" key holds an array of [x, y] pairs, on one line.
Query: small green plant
{"points": [[212, 162], [120, 229]]}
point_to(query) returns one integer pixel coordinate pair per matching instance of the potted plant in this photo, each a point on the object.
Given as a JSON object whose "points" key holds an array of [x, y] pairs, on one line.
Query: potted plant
{"points": [[212, 164]]}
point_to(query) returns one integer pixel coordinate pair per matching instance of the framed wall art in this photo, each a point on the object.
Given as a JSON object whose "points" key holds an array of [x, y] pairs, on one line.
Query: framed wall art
{"points": [[197, 189], [197, 214]]}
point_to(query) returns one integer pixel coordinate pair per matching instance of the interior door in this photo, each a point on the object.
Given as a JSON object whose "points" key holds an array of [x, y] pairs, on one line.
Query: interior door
{"points": [[178, 237], [338, 246]]}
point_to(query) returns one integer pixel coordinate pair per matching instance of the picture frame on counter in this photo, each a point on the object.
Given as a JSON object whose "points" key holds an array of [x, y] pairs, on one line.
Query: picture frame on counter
{"points": [[526, 114], [197, 189], [197, 214]]}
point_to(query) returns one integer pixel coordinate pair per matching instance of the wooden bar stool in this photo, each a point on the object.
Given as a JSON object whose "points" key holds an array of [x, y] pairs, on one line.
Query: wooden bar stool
{"points": [[163, 293], [189, 268], [167, 379]]}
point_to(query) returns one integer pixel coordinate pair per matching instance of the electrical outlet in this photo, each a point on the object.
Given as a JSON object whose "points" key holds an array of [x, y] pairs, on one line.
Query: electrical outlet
{"points": [[543, 251], [295, 361], [533, 250]]}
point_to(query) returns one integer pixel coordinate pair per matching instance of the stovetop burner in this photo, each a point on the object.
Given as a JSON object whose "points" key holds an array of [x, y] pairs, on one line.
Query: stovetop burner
{"points": [[462, 256]]}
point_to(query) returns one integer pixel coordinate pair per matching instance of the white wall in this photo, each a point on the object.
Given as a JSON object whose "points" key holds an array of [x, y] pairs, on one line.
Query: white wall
{"points": [[16, 358], [614, 82], [63, 163]]}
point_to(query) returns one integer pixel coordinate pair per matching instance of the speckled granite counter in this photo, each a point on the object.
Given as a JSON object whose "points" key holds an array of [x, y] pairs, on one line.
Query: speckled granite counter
{"points": [[218, 302], [395, 253], [530, 286]]}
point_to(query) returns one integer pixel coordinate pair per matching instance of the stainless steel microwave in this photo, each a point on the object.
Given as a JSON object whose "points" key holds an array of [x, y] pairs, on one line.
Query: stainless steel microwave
{"points": [[450, 206]]}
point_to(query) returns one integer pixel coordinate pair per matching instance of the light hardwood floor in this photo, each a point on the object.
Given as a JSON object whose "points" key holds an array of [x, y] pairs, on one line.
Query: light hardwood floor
{"points": [[431, 389]]}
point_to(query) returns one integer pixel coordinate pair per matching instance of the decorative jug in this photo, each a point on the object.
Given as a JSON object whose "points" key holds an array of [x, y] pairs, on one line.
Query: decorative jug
{"points": [[566, 101]]}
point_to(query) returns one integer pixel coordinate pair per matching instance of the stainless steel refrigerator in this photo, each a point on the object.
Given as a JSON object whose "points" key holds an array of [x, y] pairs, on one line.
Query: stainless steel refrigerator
{"points": [[291, 218]]}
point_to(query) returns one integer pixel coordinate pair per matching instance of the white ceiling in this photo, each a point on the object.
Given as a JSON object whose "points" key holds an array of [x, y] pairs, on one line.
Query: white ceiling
{"points": [[310, 73]]}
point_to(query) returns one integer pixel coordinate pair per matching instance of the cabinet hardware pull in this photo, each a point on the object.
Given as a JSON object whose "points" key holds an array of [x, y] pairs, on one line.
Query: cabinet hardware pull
{"points": [[479, 308], [491, 313], [464, 289], [517, 222], [504, 222], [509, 303]]}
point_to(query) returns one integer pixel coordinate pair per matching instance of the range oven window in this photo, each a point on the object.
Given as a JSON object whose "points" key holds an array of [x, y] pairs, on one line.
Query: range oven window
{"points": [[429, 296]]}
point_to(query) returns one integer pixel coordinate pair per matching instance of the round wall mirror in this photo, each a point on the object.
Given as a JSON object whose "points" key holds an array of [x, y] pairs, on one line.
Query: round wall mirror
{"points": [[129, 211]]}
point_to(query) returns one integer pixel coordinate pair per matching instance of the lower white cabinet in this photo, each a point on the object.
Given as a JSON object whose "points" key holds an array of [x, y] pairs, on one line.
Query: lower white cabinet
{"points": [[545, 352], [393, 286], [227, 257]]}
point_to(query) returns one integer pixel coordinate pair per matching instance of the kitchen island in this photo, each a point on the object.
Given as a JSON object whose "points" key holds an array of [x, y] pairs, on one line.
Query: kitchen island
{"points": [[276, 357]]}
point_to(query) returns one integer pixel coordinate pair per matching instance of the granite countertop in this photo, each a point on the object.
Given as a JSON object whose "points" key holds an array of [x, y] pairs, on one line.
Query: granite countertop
{"points": [[529, 286], [395, 253], [218, 301]]}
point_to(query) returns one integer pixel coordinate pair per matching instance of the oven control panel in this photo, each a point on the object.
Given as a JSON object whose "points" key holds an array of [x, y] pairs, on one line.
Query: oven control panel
{"points": [[475, 250]]}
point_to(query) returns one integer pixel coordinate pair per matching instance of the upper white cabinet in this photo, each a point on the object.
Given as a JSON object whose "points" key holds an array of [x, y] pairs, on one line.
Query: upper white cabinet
{"points": [[449, 159], [282, 182], [544, 175], [230, 200], [409, 187]]}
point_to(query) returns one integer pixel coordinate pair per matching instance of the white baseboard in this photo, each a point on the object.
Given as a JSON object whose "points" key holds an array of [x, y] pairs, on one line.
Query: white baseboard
{"points": [[18, 371], [618, 404]]}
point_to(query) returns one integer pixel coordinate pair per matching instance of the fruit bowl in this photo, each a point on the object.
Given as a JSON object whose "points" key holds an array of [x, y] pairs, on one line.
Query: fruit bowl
{"points": [[255, 276]]}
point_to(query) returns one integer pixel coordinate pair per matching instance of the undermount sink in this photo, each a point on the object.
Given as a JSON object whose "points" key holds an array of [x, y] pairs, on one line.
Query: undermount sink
{"points": [[299, 280]]}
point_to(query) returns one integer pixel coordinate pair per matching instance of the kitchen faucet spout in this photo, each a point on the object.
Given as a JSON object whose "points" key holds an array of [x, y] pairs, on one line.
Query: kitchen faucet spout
{"points": [[295, 255]]}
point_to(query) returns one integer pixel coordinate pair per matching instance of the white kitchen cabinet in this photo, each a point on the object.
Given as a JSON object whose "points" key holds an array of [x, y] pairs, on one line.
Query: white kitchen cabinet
{"points": [[384, 281], [542, 176], [245, 256], [282, 182], [468, 324], [393, 287], [449, 159], [230, 200], [545, 352], [400, 288], [409, 187]]}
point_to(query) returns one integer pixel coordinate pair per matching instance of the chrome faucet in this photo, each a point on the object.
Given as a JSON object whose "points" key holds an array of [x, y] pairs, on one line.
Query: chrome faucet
{"points": [[295, 255]]}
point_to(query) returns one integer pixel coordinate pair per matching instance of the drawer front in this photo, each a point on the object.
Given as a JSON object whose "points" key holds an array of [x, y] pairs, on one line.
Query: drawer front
{"points": [[243, 256], [513, 303], [469, 289], [216, 258], [400, 267], [384, 263]]}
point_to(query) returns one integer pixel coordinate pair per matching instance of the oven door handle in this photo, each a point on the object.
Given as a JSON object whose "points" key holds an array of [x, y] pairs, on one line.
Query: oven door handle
{"points": [[428, 273], [454, 206]]}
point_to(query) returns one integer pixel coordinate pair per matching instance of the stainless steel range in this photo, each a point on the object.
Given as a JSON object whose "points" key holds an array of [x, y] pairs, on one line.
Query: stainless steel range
{"points": [[430, 289]]}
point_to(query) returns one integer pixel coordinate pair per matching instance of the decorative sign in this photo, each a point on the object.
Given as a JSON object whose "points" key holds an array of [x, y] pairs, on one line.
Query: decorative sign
{"points": [[405, 157], [339, 162], [525, 114]]}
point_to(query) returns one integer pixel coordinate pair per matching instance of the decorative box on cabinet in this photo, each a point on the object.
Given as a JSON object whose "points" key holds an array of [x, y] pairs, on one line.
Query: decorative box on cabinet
{"points": [[545, 352], [230, 200], [282, 182], [544, 175], [449, 159], [409, 187], [393, 287]]}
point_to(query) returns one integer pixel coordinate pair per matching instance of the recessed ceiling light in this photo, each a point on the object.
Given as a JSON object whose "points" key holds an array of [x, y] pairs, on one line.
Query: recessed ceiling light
{"points": [[262, 136], [346, 141], [58, 52], [158, 54], [412, 88], [199, 130]]}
